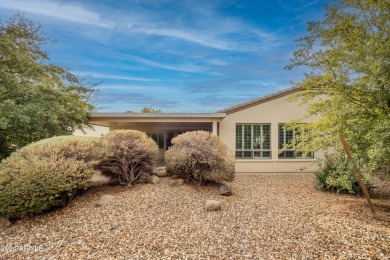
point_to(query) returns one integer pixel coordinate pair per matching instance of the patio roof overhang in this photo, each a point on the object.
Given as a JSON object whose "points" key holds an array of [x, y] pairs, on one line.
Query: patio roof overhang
{"points": [[129, 119]]}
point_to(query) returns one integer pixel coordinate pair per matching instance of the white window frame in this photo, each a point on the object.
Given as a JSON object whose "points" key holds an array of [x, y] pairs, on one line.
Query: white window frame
{"points": [[294, 153], [250, 153]]}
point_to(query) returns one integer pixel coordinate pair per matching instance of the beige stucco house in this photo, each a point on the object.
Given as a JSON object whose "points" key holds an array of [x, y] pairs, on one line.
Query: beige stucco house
{"points": [[252, 130]]}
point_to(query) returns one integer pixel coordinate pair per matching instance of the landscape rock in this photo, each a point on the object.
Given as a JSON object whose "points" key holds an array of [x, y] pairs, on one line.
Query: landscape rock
{"points": [[176, 182], [212, 205], [225, 190], [160, 172], [114, 226], [104, 200], [153, 179], [4, 223]]}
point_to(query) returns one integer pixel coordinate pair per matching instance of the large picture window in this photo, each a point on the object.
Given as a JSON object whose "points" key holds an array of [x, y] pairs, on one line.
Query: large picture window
{"points": [[285, 137], [253, 141]]}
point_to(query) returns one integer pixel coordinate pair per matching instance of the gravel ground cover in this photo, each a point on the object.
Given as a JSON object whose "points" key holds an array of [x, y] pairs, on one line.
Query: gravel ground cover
{"points": [[269, 216]]}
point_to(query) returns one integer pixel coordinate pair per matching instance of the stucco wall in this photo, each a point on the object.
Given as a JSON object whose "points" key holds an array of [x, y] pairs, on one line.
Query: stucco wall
{"points": [[271, 112]]}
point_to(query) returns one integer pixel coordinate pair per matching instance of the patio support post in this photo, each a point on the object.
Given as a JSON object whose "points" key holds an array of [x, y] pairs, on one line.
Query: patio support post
{"points": [[215, 131]]}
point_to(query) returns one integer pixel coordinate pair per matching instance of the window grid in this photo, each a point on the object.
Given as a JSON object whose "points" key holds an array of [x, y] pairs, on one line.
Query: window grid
{"points": [[253, 141], [285, 137]]}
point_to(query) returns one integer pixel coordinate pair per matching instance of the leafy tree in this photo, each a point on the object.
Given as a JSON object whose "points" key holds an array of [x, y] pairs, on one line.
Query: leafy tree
{"points": [[349, 84], [37, 99], [150, 110]]}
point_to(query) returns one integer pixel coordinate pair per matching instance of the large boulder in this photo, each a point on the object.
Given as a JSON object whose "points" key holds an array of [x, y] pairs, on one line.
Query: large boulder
{"points": [[104, 200], [225, 190], [212, 205]]}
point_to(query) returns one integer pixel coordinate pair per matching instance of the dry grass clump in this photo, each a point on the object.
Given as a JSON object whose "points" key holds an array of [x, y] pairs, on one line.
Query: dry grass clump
{"points": [[200, 156], [130, 156]]}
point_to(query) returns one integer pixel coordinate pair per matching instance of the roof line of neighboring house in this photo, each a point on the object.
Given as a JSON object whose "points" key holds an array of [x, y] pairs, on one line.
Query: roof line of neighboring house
{"points": [[260, 100]]}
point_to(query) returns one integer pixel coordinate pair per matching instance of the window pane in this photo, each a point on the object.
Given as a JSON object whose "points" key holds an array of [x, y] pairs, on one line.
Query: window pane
{"points": [[266, 137], [289, 154], [289, 136], [247, 154], [281, 140], [285, 137], [238, 136], [247, 137], [267, 154], [257, 139], [251, 139], [256, 154]]}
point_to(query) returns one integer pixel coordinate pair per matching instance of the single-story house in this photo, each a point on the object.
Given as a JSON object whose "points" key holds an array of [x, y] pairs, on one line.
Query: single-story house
{"points": [[252, 130]]}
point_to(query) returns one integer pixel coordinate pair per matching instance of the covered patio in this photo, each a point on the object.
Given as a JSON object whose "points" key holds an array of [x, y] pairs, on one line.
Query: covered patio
{"points": [[162, 127]]}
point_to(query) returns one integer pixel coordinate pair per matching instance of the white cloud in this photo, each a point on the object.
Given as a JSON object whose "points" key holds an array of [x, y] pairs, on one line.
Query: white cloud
{"points": [[209, 29], [159, 89], [57, 10], [91, 74], [185, 68], [193, 36]]}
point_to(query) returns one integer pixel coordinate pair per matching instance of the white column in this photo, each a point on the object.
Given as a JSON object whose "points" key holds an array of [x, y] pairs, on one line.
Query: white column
{"points": [[215, 127]]}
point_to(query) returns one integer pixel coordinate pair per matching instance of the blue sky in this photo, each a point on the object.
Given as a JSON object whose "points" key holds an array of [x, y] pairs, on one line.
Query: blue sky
{"points": [[177, 56]]}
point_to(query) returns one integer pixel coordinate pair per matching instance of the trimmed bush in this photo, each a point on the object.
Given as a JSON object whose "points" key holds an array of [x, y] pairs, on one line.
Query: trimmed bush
{"points": [[336, 175], [46, 174], [200, 156], [130, 156], [80, 148]]}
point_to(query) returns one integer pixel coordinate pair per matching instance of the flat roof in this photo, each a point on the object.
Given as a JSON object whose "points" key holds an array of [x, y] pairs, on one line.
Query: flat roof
{"points": [[157, 115]]}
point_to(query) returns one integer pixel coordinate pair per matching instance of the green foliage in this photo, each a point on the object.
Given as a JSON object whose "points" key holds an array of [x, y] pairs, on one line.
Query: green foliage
{"points": [[200, 156], [46, 174], [37, 100], [349, 83], [129, 156], [336, 174], [150, 110]]}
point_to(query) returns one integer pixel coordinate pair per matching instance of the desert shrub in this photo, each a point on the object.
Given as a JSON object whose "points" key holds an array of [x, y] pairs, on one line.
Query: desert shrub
{"points": [[45, 174], [336, 174], [130, 156], [80, 148], [200, 156]]}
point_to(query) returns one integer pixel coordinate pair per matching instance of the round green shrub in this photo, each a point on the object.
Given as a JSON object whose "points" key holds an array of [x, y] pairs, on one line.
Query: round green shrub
{"points": [[130, 156], [336, 174], [200, 156], [46, 174]]}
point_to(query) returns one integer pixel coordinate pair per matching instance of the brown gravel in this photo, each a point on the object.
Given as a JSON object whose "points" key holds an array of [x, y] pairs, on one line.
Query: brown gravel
{"points": [[269, 216]]}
